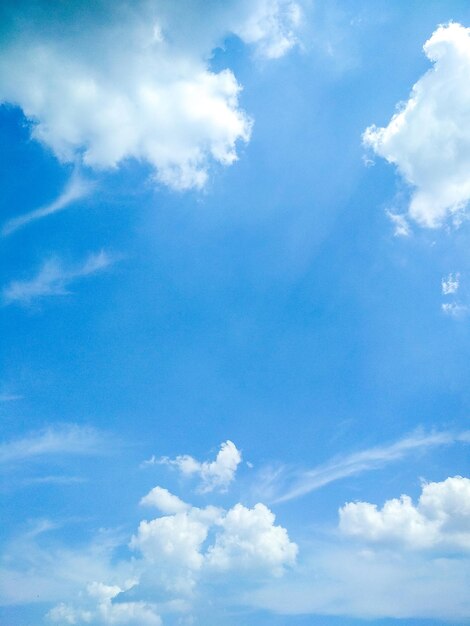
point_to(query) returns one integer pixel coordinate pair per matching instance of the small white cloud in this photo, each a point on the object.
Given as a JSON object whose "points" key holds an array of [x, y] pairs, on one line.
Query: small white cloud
{"points": [[53, 279], [440, 518], [164, 501], [450, 284], [428, 138], [217, 474], [401, 224], [454, 309]]}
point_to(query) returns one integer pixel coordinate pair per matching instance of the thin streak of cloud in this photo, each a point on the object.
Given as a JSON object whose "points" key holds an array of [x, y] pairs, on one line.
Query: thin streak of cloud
{"points": [[53, 480], [69, 439], [10, 397], [76, 189], [282, 487], [53, 279]]}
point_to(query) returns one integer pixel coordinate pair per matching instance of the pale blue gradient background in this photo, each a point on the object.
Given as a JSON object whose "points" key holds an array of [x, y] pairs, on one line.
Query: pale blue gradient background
{"points": [[275, 309]]}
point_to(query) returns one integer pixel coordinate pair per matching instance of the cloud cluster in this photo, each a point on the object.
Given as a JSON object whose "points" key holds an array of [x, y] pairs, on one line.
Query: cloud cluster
{"points": [[413, 560], [104, 82], [441, 518], [102, 610], [428, 139], [214, 475], [53, 279], [176, 551]]}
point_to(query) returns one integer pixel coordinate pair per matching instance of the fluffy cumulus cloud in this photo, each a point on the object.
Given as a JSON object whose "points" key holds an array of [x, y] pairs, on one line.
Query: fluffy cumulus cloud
{"points": [[104, 82], [251, 541], [441, 518], [174, 553], [214, 475], [241, 539], [428, 139]]}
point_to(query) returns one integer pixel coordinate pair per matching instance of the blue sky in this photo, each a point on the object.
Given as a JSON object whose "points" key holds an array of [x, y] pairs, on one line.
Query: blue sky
{"points": [[234, 313]]}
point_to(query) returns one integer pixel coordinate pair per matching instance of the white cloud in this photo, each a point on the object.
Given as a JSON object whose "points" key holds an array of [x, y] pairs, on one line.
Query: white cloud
{"points": [[428, 139], [280, 488], [76, 189], [441, 518], [132, 79], [53, 279], [62, 439], [450, 284], [217, 474]]}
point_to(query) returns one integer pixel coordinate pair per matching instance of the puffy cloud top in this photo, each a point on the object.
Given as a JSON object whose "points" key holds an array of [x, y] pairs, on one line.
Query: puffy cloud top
{"points": [[165, 501], [250, 540], [440, 519], [217, 474], [428, 139]]}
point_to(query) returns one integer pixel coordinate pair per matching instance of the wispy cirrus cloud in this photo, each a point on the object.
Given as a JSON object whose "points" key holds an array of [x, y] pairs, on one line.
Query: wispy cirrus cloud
{"points": [[69, 439], [53, 279], [283, 484], [76, 189]]}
